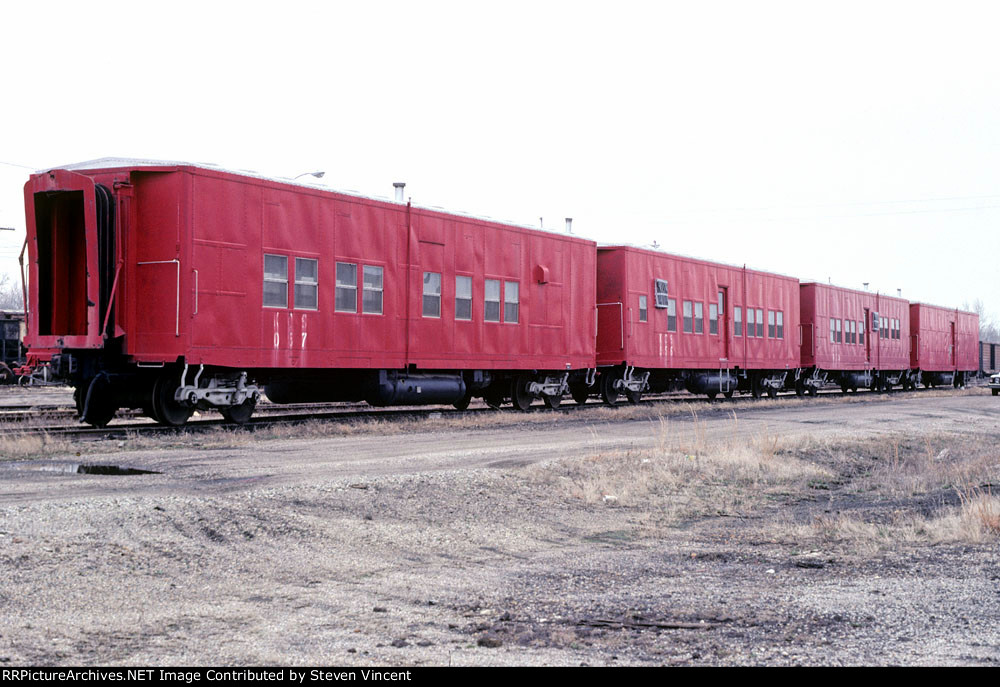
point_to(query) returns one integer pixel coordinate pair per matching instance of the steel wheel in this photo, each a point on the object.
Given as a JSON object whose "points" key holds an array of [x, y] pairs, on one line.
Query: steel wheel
{"points": [[519, 394], [166, 410], [755, 387], [633, 396], [772, 392], [240, 414], [463, 403], [711, 395], [608, 391], [552, 402], [580, 394], [727, 394]]}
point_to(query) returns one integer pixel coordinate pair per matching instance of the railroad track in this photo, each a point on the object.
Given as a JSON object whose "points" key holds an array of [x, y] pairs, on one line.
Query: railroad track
{"points": [[131, 423]]}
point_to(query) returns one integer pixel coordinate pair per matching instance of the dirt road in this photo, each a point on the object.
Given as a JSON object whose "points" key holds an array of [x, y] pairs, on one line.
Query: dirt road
{"points": [[493, 546]]}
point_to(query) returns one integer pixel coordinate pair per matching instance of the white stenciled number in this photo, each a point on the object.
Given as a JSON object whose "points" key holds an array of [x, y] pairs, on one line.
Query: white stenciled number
{"points": [[303, 339]]}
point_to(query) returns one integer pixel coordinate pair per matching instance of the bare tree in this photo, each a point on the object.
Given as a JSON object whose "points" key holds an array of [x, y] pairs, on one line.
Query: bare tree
{"points": [[10, 293], [989, 328]]}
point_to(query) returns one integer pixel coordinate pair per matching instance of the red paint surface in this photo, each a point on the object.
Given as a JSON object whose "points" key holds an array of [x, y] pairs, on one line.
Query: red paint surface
{"points": [[935, 347], [217, 226], [625, 273], [822, 302]]}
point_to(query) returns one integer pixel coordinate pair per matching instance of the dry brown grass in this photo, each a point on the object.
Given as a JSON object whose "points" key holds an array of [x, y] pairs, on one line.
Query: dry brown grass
{"points": [[685, 473], [975, 521], [14, 446]]}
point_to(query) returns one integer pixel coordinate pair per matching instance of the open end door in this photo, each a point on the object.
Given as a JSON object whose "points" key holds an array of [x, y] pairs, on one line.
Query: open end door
{"points": [[62, 213]]}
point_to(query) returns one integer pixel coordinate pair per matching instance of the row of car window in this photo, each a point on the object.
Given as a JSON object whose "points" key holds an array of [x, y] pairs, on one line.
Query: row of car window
{"points": [[693, 318], [306, 290], [853, 331]]}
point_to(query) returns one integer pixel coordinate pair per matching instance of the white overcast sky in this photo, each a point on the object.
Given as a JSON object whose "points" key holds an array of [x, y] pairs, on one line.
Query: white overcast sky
{"points": [[856, 142]]}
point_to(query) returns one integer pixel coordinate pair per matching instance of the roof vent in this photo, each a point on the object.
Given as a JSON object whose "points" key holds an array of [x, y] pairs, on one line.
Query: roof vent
{"points": [[399, 186]]}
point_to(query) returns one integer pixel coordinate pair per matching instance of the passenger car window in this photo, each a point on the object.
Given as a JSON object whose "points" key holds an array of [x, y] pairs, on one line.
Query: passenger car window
{"points": [[491, 301], [275, 281], [306, 283], [510, 301], [432, 294], [463, 298], [371, 299], [346, 296]]}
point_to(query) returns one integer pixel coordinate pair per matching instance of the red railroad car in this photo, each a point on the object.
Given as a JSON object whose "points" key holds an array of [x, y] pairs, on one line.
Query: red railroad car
{"points": [[171, 286], [853, 338], [945, 343], [666, 321]]}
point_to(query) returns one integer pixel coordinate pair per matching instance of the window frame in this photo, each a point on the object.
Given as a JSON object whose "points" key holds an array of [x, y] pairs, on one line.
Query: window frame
{"points": [[515, 303], [365, 289], [300, 282], [672, 315], [737, 321], [345, 286], [687, 317], [468, 278], [658, 292], [424, 295], [487, 301], [643, 308], [273, 280]]}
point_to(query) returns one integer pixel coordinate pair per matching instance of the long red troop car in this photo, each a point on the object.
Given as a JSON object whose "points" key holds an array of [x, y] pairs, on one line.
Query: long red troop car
{"points": [[665, 320], [854, 339], [944, 348], [171, 287]]}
